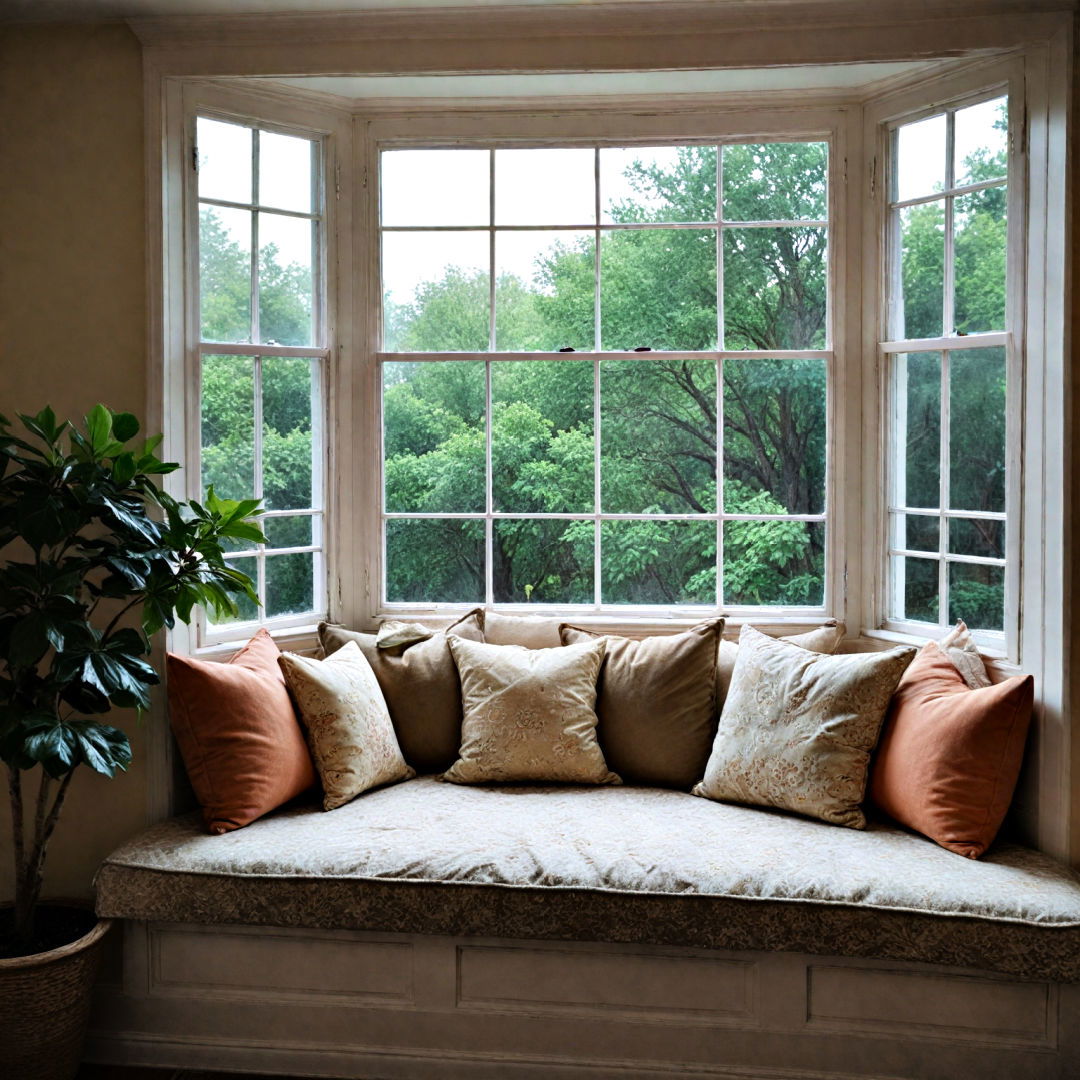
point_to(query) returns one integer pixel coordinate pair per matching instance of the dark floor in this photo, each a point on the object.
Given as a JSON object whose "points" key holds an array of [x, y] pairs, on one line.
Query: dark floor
{"points": [[122, 1072]]}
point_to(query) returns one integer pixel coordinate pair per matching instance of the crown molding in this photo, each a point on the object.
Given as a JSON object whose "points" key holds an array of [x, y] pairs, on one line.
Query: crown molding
{"points": [[630, 19]]}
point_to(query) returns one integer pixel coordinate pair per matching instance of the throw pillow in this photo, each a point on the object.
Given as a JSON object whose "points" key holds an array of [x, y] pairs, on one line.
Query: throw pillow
{"points": [[656, 701], [529, 631], [348, 724], [949, 755], [238, 734], [798, 728], [824, 639], [959, 647], [529, 714], [420, 683]]}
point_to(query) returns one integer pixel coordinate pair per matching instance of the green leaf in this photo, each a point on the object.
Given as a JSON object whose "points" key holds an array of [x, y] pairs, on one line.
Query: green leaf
{"points": [[98, 426], [124, 426], [124, 468]]}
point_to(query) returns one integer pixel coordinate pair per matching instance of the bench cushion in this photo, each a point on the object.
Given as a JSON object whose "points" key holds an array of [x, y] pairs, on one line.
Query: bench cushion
{"points": [[619, 864]]}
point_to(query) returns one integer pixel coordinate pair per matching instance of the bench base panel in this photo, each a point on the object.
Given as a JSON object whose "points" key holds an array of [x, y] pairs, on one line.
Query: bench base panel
{"points": [[399, 1007]]}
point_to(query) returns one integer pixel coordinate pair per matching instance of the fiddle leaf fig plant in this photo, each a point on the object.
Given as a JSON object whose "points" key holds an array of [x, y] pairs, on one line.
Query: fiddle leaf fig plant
{"points": [[96, 558]]}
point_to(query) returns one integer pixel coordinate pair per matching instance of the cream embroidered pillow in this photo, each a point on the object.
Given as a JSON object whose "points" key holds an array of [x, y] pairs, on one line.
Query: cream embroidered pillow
{"points": [[798, 728], [530, 714], [961, 649], [347, 722], [822, 639]]}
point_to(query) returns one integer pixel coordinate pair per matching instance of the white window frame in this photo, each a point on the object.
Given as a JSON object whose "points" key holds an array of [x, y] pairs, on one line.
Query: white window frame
{"points": [[620, 127], [186, 102], [980, 82]]}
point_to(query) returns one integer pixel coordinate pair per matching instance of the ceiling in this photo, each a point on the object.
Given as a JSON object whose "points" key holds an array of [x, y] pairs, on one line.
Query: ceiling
{"points": [[91, 10], [359, 88]]}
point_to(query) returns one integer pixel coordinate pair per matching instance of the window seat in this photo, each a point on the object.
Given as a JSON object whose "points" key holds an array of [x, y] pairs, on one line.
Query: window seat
{"points": [[608, 864]]}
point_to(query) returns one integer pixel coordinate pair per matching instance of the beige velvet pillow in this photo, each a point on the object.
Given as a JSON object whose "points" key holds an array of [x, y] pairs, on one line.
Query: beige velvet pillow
{"points": [[798, 728], [420, 683], [823, 639], [529, 631], [656, 703], [529, 714], [348, 725]]}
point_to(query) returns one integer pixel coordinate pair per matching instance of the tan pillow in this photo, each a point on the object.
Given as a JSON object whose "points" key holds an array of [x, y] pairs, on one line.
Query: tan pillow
{"points": [[656, 703], [960, 648], [529, 714], [529, 631], [822, 639], [421, 687], [798, 728], [348, 726]]}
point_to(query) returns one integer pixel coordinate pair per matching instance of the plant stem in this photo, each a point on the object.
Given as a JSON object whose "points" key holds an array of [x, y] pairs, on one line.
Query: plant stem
{"points": [[44, 824], [119, 615], [19, 845]]}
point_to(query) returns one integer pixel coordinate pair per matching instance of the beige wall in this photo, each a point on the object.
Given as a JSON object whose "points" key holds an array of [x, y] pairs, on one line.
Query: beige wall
{"points": [[73, 307]]}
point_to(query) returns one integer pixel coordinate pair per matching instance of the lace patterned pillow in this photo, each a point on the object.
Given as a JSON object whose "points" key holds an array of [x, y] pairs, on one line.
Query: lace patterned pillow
{"points": [[530, 714], [347, 722], [798, 728]]}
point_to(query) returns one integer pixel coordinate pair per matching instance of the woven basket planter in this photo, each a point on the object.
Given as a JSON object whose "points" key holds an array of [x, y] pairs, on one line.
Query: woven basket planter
{"points": [[45, 1006]]}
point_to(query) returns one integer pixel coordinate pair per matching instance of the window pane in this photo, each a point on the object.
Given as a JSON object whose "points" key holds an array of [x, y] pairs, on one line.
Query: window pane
{"points": [[543, 562], [980, 232], [658, 289], [977, 595], [774, 436], [544, 292], [545, 187], [918, 403], [542, 436], [437, 560], [225, 273], [434, 441], [919, 166], [435, 292], [915, 532], [982, 537], [981, 141], [658, 183], [658, 562], [915, 589], [774, 288], [248, 611], [224, 160], [285, 256], [228, 425], [658, 436], [284, 532], [290, 583], [977, 429], [436, 187], [779, 563], [285, 167], [287, 437], [919, 293], [776, 181]]}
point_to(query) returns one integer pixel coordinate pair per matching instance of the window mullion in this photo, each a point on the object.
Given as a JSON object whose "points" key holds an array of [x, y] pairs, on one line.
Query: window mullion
{"points": [[256, 331], [943, 523], [597, 494], [489, 524], [948, 322]]}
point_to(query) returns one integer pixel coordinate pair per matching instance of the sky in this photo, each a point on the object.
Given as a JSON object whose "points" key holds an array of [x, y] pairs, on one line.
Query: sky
{"points": [[533, 187]]}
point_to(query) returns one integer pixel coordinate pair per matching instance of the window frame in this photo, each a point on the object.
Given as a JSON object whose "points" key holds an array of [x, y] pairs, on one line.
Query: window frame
{"points": [[620, 127], [187, 102], [980, 82]]}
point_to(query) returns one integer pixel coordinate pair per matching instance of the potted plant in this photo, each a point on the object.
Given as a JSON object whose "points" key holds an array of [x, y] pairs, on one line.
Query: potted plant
{"points": [[91, 545]]}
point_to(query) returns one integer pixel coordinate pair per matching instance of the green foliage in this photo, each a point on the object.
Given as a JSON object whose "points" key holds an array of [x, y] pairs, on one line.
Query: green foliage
{"points": [[77, 522]]}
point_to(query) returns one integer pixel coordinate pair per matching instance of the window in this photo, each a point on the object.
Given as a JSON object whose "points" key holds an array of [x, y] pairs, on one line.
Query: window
{"points": [[605, 375], [261, 354], [949, 376]]}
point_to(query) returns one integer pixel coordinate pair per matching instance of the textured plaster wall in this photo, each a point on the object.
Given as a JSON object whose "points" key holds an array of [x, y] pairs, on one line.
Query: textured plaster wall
{"points": [[73, 307]]}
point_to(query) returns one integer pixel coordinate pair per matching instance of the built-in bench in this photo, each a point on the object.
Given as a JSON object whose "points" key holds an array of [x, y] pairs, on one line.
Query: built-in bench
{"points": [[692, 928]]}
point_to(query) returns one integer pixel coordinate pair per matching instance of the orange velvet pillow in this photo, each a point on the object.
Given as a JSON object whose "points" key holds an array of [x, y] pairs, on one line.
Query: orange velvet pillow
{"points": [[238, 734], [949, 756]]}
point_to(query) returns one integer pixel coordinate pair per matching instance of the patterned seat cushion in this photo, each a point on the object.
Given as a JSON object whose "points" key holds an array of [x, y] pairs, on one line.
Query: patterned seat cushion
{"points": [[622, 864]]}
